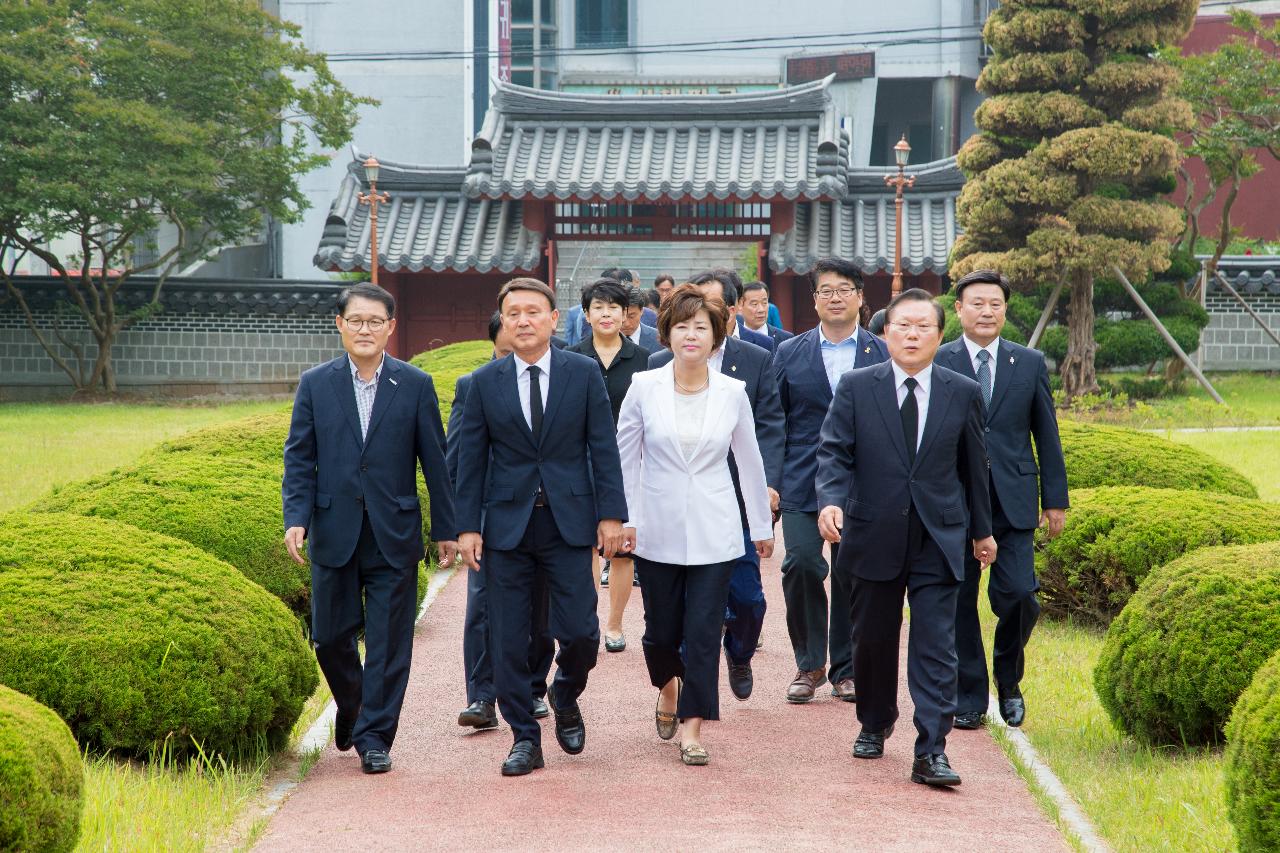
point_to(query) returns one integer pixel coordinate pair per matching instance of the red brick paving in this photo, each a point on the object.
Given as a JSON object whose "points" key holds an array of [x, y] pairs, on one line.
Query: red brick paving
{"points": [[780, 775]]}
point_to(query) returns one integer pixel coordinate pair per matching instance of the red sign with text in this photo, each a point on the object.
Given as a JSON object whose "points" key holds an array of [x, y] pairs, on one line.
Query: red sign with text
{"points": [[846, 66]]}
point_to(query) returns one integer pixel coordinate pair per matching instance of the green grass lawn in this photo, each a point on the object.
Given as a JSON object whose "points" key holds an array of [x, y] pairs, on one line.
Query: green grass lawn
{"points": [[1255, 454], [48, 444], [1253, 399]]}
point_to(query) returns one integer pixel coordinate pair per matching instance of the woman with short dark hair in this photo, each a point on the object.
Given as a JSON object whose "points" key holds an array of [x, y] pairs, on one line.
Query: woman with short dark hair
{"points": [[676, 429]]}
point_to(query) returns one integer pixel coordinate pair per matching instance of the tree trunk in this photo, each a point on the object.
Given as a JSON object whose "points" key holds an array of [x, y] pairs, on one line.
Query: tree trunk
{"points": [[103, 377], [1078, 373]]}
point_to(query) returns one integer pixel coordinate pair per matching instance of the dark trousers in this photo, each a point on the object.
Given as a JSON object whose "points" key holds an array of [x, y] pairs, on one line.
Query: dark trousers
{"points": [[684, 606], [813, 626], [477, 655], [376, 689], [744, 615], [513, 576], [931, 591], [1012, 592]]}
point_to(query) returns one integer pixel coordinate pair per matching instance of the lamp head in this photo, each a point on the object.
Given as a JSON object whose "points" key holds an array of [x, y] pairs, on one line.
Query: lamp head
{"points": [[371, 170], [902, 151]]}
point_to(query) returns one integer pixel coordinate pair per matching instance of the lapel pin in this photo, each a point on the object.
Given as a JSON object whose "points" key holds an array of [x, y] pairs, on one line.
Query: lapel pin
{"points": [[393, 382], [868, 349], [1011, 359], [733, 368]]}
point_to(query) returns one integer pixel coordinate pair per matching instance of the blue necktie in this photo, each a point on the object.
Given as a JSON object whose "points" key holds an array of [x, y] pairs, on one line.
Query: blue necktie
{"points": [[984, 375]]}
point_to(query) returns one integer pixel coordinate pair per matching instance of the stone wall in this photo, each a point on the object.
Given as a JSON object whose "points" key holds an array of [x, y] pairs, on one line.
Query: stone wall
{"points": [[1233, 340]]}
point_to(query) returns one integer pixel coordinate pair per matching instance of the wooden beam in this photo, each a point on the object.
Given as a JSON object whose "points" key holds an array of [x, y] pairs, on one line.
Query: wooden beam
{"points": [[1046, 314]]}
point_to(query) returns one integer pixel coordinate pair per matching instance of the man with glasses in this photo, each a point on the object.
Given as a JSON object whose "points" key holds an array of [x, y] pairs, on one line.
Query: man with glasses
{"points": [[808, 367], [902, 482], [361, 425]]}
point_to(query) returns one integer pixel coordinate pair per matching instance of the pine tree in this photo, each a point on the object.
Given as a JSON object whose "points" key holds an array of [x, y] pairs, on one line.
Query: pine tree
{"points": [[1075, 149]]}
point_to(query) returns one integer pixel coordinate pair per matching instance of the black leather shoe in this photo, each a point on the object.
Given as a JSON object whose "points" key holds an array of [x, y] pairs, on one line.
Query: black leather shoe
{"points": [[375, 761], [969, 720], [870, 744], [524, 758], [479, 715], [343, 727], [1013, 708], [540, 710], [741, 680], [571, 732], [934, 770]]}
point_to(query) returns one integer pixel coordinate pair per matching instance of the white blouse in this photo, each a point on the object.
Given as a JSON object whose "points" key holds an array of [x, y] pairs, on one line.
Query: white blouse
{"points": [[691, 412]]}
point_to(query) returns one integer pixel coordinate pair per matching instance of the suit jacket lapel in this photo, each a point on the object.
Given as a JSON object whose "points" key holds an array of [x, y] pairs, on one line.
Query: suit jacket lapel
{"points": [[887, 400], [939, 400], [345, 389], [960, 361], [1004, 376], [555, 391], [717, 396], [729, 363], [819, 367], [387, 385], [510, 392]]}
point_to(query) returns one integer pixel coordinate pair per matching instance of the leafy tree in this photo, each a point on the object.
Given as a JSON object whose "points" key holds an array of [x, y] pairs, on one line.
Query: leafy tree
{"points": [[117, 115], [1235, 93], [1074, 151]]}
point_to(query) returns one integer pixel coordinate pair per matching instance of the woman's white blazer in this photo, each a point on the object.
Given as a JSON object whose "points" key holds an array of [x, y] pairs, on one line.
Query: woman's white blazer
{"points": [[686, 512]]}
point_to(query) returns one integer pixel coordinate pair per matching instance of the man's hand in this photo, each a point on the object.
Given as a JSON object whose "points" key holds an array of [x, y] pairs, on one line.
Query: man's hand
{"points": [[628, 540], [984, 551], [764, 547], [830, 523], [446, 551], [293, 540], [773, 500], [470, 546], [1053, 521], [609, 537]]}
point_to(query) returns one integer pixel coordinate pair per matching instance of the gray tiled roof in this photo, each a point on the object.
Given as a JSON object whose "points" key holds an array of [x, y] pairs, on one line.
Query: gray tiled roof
{"points": [[861, 228], [428, 224], [1248, 274], [786, 143]]}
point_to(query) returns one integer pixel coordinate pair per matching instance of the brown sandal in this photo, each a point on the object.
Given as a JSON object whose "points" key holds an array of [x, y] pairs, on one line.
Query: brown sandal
{"points": [[667, 723]]}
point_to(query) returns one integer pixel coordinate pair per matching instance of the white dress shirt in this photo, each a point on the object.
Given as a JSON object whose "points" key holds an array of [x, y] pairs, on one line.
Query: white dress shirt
{"points": [[522, 383], [635, 336], [993, 348], [715, 363], [923, 379]]}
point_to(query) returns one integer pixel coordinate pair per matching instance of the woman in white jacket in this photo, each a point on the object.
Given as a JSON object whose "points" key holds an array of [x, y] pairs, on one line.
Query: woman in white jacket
{"points": [[675, 431]]}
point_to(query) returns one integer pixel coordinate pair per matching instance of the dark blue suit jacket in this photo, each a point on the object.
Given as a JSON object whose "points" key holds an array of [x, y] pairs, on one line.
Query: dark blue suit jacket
{"points": [[862, 468], [649, 339], [332, 477], [1021, 408], [756, 338], [754, 367], [500, 465], [454, 435], [806, 396]]}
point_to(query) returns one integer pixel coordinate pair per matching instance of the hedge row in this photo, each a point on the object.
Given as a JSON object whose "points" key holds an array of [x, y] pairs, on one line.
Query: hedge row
{"points": [[1179, 655], [133, 637], [41, 777], [1116, 535], [1252, 770]]}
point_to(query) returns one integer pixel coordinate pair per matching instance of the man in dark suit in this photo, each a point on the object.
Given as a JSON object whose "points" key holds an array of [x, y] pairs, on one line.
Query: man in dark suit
{"points": [[808, 367], [640, 332], [726, 285], [477, 659], [753, 312], [360, 426], [746, 606], [1019, 407], [902, 481], [542, 504]]}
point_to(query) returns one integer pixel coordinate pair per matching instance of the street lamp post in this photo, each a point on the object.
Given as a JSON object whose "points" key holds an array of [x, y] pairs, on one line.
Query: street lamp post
{"points": [[373, 198], [901, 152]]}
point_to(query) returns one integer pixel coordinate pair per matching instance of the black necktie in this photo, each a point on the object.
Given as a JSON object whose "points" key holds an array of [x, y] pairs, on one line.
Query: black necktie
{"points": [[910, 418], [535, 401]]}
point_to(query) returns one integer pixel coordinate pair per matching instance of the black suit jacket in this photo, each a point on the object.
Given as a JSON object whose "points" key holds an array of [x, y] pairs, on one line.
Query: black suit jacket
{"points": [[863, 468], [500, 464], [332, 477], [763, 341], [454, 435], [1021, 408]]}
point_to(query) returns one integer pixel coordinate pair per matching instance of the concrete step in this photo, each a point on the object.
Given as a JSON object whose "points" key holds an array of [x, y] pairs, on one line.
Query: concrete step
{"points": [[646, 259]]}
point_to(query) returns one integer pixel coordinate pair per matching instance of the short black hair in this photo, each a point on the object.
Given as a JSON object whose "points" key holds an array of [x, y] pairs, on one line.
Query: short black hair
{"points": [[916, 294], [839, 266], [618, 274], [664, 276], [753, 285], [635, 296], [730, 284], [876, 326], [986, 276], [653, 298], [495, 326], [366, 290], [608, 290]]}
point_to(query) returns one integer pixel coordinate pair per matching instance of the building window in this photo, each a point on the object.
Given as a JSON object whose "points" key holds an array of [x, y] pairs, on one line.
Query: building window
{"points": [[902, 107], [533, 43], [602, 23]]}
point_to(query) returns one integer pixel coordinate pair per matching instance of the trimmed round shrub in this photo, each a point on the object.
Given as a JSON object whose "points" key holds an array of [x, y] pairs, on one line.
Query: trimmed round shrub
{"points": [[1187, 644], [1127, 343], [1252, 771], [1116, 535], [258, 438], [1113, 456], [135, 638], [226, 505], [448, 363], [41, 777]]}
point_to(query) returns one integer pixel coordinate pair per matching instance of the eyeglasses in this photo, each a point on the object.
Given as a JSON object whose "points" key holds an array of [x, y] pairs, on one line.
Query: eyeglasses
{"points": [[825, 295], [906, 328], [355, 324]]}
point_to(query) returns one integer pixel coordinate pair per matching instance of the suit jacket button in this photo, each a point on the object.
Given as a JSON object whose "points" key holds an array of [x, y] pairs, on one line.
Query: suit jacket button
{"points": [[364, 467], [986, 429], [905, 512], [360, 499]]}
